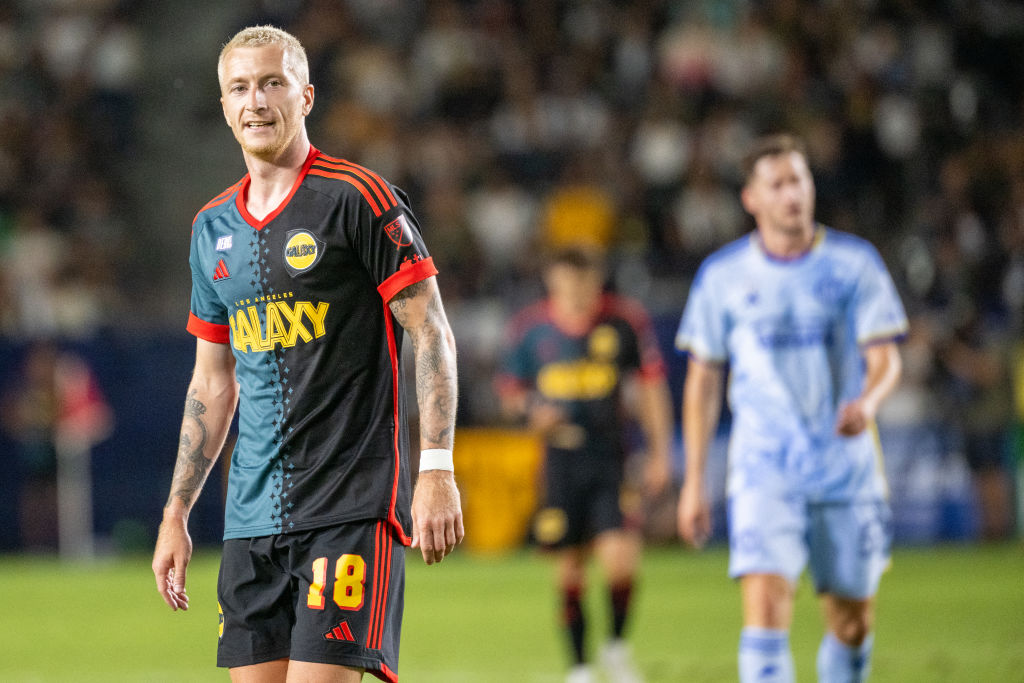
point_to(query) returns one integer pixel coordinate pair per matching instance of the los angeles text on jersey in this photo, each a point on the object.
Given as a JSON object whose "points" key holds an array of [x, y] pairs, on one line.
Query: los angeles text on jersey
{"points": [[265, 322]]}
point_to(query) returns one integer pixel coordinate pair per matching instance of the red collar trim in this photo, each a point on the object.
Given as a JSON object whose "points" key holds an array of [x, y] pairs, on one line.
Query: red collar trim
{"points": [[243, 192]]}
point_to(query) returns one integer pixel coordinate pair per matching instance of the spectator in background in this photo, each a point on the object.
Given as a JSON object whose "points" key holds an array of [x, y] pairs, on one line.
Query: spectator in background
{"points": [[30, 410], [501, 216], [53, 410], [706, 215], [978, 358]]}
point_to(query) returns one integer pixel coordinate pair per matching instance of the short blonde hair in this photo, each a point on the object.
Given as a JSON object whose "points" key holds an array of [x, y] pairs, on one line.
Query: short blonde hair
{"points": [[259, 36]]}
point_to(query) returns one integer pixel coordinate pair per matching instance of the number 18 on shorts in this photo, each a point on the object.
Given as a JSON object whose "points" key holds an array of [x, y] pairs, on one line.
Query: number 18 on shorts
{"points": [[332, 595]]}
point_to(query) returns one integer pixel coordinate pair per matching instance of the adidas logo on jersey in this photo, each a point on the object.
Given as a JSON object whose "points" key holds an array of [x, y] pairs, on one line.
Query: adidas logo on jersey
{"points": [[340, 632], [221, 271]]}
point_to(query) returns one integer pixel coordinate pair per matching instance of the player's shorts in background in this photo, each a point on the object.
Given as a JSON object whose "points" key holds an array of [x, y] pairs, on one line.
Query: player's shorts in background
{"points": [[845, 545], [581, 500], [333, 596]]}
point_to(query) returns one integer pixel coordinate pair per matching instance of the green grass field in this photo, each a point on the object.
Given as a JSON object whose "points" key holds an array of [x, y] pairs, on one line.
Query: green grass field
{"points": [[945, 614]]}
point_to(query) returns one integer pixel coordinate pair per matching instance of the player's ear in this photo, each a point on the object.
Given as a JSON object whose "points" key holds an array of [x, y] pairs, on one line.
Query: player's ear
{"points": [[748, 200], [307, 99]]}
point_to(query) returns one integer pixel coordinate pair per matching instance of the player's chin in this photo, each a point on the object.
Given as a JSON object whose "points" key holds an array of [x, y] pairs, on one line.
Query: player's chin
{"points": [[258, 147], [260, 151]]}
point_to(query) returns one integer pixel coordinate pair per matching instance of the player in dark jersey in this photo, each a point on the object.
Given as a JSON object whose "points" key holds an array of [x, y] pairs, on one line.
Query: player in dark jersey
{"points": [[306, 276], [571, 356]]}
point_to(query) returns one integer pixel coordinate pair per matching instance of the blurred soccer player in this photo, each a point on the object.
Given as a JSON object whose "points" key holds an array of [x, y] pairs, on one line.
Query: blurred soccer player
{"points": [[806, 318], [300, 272], [570, 357]]}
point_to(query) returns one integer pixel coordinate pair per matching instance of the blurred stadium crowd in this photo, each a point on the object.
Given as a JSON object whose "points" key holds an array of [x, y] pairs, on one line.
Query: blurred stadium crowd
{"points": [[515, 126]]}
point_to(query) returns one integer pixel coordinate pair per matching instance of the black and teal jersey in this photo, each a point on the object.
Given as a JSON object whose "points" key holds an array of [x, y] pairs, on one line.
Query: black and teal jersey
{"points": [[302, 298], [583, 372]]}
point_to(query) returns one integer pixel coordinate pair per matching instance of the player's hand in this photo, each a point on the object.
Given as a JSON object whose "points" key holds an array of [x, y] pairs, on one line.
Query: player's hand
{"points": [[657, 474], [436, 515], [544, 417], [170, 560], [694, 514], [853, 418]]}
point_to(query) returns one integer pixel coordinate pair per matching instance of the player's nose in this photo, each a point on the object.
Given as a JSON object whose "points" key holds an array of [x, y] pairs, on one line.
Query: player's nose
{"points": [[256, 100]]}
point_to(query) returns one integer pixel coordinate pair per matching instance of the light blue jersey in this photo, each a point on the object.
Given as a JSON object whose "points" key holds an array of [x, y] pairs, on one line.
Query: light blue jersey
{"points": [[792, 333]]}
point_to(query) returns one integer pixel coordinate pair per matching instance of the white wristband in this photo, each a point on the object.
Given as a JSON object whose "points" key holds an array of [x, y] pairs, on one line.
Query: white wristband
{"points": [[436, 459]]}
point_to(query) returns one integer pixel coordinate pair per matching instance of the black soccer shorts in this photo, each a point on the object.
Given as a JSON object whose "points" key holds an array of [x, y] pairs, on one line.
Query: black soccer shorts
{"points": [[332, 596], [581, 500]]}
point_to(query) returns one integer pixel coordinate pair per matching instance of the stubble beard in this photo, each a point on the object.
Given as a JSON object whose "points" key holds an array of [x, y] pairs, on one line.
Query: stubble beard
{"points": [[269, 149]]}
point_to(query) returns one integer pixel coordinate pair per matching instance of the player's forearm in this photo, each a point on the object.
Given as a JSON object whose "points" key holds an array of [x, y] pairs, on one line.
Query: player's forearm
{"points": [[884, 369], [419, 311], [436, 386], [204, 427], [656, 418], [702, 400]]}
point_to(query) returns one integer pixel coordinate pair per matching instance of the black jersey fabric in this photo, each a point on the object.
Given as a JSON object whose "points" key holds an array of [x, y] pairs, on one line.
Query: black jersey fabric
{"points": [[302, 298]]}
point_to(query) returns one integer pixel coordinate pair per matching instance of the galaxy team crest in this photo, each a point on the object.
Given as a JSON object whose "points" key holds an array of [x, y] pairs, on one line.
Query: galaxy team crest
{"points": [[302, 251]]}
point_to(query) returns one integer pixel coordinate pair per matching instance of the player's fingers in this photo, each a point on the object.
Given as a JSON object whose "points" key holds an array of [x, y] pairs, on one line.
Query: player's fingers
{"points": [[168, 593], [691, 528], [450, 539], [695, 536], [460, 529], [178, 583], [426, 544], [163, 584], [174, 600], [177, 577], [703, 529], [182, 599], [440, 540], [161, 578], [682, 522], [169, 598]]}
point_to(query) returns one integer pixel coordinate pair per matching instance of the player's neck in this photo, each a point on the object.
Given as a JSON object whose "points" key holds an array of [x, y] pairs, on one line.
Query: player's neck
{"points": [[271, 179], [787, 244], [573, 319]]}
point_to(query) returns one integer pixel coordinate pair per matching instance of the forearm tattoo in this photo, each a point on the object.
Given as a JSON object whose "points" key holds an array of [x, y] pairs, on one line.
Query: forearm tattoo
{"points": [[400, 302], [192, 466], [436, 381]]}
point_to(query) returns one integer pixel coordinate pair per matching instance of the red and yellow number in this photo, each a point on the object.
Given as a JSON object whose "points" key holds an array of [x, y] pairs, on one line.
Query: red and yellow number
{"points": [[315, 599], [349, 582]]}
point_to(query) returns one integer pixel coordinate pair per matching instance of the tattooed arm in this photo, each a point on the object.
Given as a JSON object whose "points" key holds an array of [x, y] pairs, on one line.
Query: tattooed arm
{"points": [[209, 407], [436, 509]]}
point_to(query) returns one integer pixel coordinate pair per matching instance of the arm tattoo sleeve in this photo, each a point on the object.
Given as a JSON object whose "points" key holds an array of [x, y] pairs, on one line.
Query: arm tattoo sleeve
{"points": [[192, 466], [436, 382]]}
